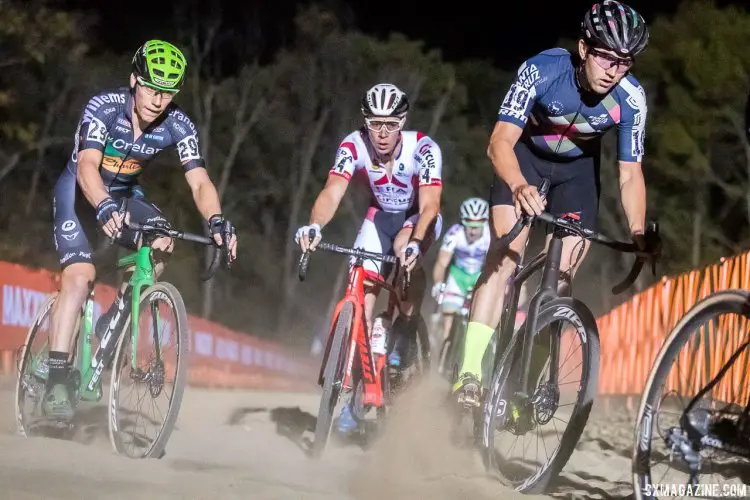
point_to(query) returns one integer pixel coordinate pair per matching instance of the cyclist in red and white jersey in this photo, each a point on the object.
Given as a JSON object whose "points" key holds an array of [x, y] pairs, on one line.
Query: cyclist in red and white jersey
{"points": [[403, 172]]}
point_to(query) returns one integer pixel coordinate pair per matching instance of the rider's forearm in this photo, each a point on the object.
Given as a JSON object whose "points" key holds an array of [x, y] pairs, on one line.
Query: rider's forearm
{"points": [[427, 215], [324, 208], [207, 200], [438, 273], [91, 183], [505, 163], [633, 195]]}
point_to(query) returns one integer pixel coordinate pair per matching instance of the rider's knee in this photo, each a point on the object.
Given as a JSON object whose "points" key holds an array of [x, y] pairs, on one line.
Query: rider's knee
{"points": [[499, 266], [77, 279], [163, 245]]}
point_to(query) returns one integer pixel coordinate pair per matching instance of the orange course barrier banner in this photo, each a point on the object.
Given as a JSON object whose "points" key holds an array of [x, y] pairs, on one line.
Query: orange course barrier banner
{"points": [[633, 333], [219, 357]]}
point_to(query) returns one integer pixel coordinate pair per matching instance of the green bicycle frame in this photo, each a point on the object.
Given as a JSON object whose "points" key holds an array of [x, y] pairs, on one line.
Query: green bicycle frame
{"points": [[91, 367]]}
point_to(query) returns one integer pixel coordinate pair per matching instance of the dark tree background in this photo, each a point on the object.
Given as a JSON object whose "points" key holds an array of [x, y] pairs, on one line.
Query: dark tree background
{"points": [[274, 86]]}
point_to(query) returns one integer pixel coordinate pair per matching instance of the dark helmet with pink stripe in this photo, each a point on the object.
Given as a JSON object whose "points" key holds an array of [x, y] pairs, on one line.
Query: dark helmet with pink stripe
{"points": [[612, 25]]}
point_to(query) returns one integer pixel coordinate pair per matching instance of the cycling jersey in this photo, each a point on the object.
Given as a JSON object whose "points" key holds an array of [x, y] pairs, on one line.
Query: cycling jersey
{"points": [[419, 163], [467, 256], [395, 203], [106, 126], [562, 122]]}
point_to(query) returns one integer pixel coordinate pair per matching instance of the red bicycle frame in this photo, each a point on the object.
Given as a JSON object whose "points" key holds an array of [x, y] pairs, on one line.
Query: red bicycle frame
{"points": [[371, 366]]}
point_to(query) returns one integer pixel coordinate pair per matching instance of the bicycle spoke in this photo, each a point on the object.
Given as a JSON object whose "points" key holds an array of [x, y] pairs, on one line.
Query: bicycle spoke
{"points": [[158, 373]]}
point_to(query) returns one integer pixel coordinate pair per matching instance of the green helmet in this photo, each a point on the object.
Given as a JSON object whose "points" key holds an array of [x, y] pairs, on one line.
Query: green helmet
{"points": [[160, 65]]}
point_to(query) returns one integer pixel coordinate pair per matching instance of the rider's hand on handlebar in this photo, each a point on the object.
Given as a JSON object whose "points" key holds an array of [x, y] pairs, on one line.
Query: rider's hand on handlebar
{"points": [[639, 239], [109, 217], [302, 238], [409, 255], [527, 200], [223, 230]]}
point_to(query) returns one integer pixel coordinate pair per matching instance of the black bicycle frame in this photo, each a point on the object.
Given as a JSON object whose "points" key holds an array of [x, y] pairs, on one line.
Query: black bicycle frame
{"points": [[548, 290]]}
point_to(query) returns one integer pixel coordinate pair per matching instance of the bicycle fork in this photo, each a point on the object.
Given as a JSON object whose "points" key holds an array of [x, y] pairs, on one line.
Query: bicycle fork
{"points": [[547, 292], [371, 367], [526, 411]]}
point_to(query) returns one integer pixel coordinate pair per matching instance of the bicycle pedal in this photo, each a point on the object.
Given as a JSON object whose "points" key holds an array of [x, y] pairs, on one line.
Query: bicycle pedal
{"points": [[469, 399], [59, 425]]}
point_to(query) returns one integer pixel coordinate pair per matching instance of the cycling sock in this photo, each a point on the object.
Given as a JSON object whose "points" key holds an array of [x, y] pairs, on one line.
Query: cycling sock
{"points": [[478, 337], [58, 368]]}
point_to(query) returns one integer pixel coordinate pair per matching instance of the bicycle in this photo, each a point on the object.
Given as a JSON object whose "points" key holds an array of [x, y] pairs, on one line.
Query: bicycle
{"points": [[450, 347], [370, 380], [85, 381], [509, 404], [702, 431]]}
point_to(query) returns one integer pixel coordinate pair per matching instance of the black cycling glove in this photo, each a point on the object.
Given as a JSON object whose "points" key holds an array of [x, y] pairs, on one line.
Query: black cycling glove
{"points": [[105, 209], [219, 225]]}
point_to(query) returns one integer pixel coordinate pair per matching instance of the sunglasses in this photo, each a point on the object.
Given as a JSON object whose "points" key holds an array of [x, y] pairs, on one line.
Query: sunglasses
{"points": [[474, 222], [606, 61], [377, 124], [151, 90]]}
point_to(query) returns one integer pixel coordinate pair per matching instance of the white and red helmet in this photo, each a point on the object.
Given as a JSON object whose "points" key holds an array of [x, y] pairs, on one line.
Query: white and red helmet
{"points": [[384, 99]]}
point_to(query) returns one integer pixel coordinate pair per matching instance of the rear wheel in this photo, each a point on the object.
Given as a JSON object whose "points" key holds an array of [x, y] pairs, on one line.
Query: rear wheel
{"points": [[33, 369], [332, 378]]}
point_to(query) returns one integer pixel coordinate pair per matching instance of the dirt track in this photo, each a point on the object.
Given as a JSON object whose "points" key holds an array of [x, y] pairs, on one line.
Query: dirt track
{"points": [[251, 445]]}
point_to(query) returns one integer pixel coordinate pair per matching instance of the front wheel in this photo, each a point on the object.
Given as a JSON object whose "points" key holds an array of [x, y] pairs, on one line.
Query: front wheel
{"points": [[424, 353], [332, 377], [542, 413], [689, 420], [157, 369]]}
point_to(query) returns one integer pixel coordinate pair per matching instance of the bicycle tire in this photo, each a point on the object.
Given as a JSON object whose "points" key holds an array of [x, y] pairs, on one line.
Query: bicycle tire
{"points": [[444, 368], [332, 375], [157, 446], [424, 354], [723, 302], [447, 356], [586, 328], [24, 356]]}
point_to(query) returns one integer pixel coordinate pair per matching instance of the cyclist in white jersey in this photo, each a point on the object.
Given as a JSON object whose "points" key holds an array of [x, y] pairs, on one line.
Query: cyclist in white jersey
{"points": [[462, 254], [403, 172]]}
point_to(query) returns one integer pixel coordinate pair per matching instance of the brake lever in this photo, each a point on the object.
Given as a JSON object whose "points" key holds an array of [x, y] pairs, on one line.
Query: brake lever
{"points": [[406, 280], [653, 243], [123, 210], [226, 251], [304, 259]]}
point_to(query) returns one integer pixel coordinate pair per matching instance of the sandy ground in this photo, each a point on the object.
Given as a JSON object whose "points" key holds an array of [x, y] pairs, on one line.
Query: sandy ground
{"points": [[233, 444]]}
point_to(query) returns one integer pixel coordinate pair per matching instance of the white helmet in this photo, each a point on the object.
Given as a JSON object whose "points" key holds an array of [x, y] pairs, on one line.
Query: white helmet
{"points": [[384, 99], [474, 211]]}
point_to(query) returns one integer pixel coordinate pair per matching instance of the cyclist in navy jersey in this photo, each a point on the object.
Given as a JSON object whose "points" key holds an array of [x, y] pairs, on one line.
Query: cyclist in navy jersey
{"points": [[119, 133], [550, 125]]}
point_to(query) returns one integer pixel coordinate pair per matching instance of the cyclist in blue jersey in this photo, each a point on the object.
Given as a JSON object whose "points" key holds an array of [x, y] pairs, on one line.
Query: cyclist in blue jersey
{"points": [[550, 125], [118, 135]]}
